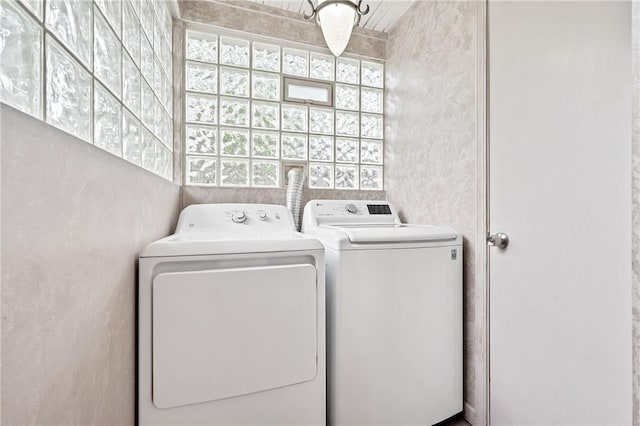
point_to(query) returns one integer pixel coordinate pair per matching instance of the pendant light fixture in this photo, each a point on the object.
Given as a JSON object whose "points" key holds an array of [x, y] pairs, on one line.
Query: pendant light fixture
{"points": [[336, 19]]}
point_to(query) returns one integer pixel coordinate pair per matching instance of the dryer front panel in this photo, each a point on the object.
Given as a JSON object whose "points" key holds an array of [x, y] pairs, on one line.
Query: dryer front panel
{"points": [[230, 332]]}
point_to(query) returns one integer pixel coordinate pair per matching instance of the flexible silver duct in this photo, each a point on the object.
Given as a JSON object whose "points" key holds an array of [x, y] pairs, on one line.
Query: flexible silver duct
{"points": [[294, 194]]}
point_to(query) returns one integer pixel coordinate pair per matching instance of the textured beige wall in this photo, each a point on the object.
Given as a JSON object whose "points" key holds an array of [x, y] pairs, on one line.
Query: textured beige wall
{"points": [[199, 195], [74, 219], [273, 22], [636, 212], [431, 121]]}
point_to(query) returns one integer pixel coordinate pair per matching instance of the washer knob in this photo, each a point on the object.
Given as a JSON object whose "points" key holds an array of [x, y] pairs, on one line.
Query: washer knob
{"points": [[239, 217], [351, 208], [262, 216]]}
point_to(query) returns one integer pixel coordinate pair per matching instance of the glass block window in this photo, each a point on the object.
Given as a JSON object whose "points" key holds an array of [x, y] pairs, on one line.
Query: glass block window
{"points": [[240, 128], [100, 70]]}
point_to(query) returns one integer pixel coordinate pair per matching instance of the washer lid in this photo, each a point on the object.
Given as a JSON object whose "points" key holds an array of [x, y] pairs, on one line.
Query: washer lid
{"points": [[369, 225], [394, 233]]}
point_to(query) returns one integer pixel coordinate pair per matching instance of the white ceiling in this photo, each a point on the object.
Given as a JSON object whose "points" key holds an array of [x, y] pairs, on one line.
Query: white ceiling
{"points": [[382, 16]]}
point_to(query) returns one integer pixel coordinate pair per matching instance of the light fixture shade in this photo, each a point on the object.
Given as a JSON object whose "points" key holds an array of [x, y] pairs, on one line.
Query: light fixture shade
{"points": [[336, 22]]}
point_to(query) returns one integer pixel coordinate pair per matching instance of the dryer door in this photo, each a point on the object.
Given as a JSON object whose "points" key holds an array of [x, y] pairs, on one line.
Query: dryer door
{"points": [[224, 333]]}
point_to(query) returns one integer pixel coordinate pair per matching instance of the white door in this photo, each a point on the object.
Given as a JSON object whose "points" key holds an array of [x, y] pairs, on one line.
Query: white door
{"points": [[560, 187]]}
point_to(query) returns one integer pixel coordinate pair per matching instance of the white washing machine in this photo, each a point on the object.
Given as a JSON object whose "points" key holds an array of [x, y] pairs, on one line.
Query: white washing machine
{"points": [[394, 315], [231, 326]]}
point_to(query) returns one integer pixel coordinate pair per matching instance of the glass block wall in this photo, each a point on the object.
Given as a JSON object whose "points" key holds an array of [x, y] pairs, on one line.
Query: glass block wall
{"points": [[99, 70], [239, 131]]}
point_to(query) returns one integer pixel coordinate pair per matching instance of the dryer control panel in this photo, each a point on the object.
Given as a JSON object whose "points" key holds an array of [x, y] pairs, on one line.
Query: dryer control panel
{"points": [[350, 211], [257, 217]]}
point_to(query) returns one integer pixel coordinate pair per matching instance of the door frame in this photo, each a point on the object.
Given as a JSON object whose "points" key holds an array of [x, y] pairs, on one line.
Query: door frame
{"points": [[479, 414]]}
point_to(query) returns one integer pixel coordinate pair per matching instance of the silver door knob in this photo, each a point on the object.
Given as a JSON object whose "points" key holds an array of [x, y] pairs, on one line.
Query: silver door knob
{"points": [[500, 240]]}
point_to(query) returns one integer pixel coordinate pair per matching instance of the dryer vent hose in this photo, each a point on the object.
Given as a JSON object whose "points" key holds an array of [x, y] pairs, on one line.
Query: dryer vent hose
{"points": [[294, 194]]}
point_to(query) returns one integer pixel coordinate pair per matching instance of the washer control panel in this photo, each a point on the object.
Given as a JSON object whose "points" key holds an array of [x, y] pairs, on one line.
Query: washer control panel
{"points": [[351, 208], [235, 216], [351, 211], [379, 208]]}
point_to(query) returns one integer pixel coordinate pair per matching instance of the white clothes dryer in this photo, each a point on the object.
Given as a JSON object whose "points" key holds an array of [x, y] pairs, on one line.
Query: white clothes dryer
{"points": [[231, 321], [394, 315]]}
